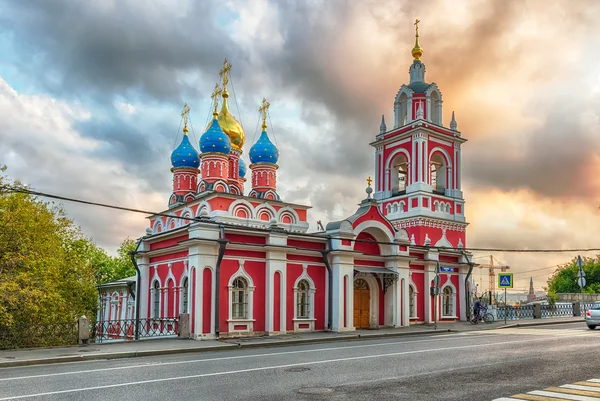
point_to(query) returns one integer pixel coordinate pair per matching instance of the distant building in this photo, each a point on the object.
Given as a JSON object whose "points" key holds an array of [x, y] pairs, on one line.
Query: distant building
{"points": [[531, 296]]}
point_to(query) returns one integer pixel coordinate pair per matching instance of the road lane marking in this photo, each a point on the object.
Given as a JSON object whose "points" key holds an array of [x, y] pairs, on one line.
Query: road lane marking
{"points": [[225, 358], [576, 386], [231, 372], [531, 397], [588, 383], [573, 391], [565, 396]]}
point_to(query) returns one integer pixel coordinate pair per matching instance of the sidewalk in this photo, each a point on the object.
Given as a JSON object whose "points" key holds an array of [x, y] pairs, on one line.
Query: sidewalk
{"points": [[153, 347]]}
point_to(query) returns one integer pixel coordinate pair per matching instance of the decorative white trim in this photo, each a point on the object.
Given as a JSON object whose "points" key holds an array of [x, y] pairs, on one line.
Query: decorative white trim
{"points": [[311, 301], [412, 285], [265, 206], [249, 320], [448, 284], [158, 223], [443, 152], [203, 205], [241, 204], [425, 222], [288, 210]]}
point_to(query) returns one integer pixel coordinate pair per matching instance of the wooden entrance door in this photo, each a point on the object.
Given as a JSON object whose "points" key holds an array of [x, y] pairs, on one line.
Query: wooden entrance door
{"points": [[362, 304]]}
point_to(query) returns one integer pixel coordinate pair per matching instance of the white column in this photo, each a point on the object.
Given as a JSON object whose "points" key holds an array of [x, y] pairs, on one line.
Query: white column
{"points": [[429, 275], [404, 299], [414, 160], [341, 267], [276, 261], [460, 293]]}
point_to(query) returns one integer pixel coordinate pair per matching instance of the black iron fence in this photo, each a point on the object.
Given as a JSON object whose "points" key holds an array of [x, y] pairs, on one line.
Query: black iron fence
{"points": [[127, 329], [557, 310], [38, 335], [515, 312]]}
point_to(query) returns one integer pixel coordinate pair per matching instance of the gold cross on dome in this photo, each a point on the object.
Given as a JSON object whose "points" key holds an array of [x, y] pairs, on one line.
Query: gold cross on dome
{"points": [[185, 113], [417, 26], [215, 96], [263, 111], [224, 71], [369, 181]]}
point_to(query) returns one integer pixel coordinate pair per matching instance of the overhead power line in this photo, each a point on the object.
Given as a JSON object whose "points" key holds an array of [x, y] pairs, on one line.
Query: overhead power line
{"points": [[174, 216]]}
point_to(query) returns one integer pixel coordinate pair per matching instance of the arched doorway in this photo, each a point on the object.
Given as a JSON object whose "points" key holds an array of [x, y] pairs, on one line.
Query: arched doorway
{"points": [[362, 304]]}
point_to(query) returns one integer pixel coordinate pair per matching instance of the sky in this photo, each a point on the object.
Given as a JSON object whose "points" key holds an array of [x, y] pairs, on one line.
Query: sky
{"points": [[91, 95]]}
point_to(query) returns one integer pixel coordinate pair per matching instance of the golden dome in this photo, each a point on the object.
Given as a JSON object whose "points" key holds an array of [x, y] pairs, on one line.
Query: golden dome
{"points": [[230, 125]]}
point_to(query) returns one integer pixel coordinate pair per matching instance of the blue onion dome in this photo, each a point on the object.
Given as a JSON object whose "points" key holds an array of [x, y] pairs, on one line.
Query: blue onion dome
{"points": [[215, 140], [242, 168], [185, 155], [263, 151]]}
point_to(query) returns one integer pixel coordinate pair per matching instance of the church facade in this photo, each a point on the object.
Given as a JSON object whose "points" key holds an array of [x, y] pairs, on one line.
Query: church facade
{"points": [[237, 260]]}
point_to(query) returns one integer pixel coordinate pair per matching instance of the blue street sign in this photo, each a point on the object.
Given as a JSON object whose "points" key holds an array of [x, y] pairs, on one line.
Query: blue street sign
{"points": [[446, 269], [505, 280]]}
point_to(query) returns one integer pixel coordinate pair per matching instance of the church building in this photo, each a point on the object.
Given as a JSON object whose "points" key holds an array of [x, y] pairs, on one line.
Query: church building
{"points": [[235, 259]]}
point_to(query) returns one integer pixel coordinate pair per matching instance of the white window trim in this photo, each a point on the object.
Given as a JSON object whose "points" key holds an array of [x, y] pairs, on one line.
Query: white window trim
{"points": [[249, 321], [452, 314], [415, 297], [184, 294], [311, 302], [153, 293]]}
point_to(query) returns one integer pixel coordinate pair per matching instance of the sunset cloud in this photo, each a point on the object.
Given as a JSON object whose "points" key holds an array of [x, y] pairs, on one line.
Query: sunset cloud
{"points": [[91, 96]]}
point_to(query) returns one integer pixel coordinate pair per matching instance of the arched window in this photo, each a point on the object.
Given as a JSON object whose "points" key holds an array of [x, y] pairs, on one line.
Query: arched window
{"points": [[399, 173], [303, 300], [438, 173], [412, 302], [239, 299], [184, 296], [156, 300], [448, 301]]}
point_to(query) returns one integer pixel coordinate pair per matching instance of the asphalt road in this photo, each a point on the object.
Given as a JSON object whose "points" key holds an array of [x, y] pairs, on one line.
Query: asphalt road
{"points": [[467, 366]]}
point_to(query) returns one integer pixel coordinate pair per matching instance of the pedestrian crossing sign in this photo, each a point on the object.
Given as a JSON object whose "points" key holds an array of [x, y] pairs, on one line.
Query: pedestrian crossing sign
{"points": [[505, 280]]}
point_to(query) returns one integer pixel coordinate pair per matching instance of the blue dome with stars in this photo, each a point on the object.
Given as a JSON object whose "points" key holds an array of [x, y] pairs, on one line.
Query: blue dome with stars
{"points": [[215, 140], [242, 168], [263, 151], [185, 155]]}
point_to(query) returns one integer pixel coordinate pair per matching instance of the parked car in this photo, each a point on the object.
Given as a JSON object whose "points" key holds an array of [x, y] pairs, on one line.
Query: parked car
{"points": [[592, 316]]}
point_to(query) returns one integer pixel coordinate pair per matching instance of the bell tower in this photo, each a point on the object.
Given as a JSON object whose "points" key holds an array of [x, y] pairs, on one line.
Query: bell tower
{"points": [[418, 164]]}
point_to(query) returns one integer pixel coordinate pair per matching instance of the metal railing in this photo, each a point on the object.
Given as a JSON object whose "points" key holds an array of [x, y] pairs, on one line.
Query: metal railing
{"points": [[125, 330], [557, 310], [38, 335], [515, 312]]}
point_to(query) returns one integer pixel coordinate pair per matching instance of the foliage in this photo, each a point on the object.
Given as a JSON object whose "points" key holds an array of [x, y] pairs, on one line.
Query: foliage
{"points": [[119, 267], [49, 270], [564, 279]]}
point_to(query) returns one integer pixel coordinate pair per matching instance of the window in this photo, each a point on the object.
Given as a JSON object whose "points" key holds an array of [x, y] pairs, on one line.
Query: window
{"points": [[412, 300], [303, 301], [399, 169], [184, 296], [437, 178], [156, 295], [448, 302], [239, 299]]}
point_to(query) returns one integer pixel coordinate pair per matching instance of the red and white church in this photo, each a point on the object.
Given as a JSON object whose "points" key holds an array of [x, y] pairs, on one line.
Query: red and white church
{"points": [[239, 260]]}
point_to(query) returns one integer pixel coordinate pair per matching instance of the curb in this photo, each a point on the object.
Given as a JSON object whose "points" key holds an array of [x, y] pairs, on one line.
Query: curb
{"points": [[220, 347]]}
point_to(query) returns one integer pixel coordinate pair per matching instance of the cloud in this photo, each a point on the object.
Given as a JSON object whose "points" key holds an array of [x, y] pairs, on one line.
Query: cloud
{"points": [[113, 76], [42, 148]]}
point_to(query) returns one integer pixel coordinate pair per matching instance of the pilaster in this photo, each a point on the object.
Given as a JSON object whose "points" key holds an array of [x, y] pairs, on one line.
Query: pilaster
{"points": [[276, 262], [342, 265]]}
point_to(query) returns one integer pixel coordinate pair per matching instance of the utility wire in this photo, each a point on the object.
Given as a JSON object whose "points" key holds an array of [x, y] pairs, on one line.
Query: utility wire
{"points": [[414, 247]]}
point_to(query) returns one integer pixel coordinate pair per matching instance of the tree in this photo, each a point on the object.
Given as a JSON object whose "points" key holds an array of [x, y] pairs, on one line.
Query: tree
{"points": [[47, 271], [116, 268], [564, 279]]}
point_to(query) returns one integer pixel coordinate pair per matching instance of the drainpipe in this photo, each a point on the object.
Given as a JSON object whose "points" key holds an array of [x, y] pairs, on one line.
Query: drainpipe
{"points": [[222, 245], [467, 297], [137, 288], [325, 255]]}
